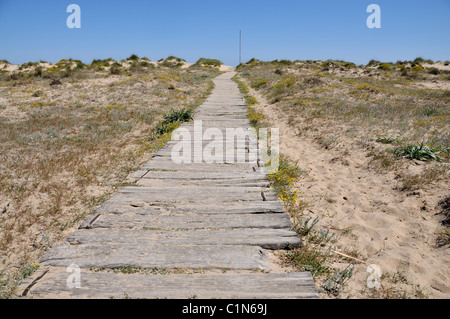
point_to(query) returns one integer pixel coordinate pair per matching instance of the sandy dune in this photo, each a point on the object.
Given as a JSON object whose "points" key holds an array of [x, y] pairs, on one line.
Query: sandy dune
{"points": [[392, 229]]}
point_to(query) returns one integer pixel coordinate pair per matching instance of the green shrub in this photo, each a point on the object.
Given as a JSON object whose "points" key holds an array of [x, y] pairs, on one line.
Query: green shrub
{"points": [[28, 65], [173, 119], [38, 71], [257, 85], [171, 63], [308, 259], [133, 57], [99, 63], [348, 65], [388, 140], [285, 62], [38, 93], [430, 111], [419, 152], [373, 63], [184, 115], [116, 70], [433, 71], [420, 60], [404, 72], [282, 62], [209, 62], [284, 86], [252, 60], [145, 64], [385, 66], [175, 58]]}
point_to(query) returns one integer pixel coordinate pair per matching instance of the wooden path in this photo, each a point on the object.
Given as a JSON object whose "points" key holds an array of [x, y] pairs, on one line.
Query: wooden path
{"points": [[203, 229]]}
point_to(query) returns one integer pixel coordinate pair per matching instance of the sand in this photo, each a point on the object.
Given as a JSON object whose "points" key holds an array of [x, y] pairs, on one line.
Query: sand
{"points": [[395, 230]]}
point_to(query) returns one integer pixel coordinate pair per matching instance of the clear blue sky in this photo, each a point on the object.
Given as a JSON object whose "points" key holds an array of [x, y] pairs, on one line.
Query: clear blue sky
{"points": [[33, 30]]}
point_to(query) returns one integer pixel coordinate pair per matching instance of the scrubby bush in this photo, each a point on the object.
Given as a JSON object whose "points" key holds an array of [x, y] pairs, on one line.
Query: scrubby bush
{"points": [[27, 65], [252, 60], [404, 72], [385, 66], [99, 63], [373, 63], [38, 72], [433, 71], [172, 62], [209, 62], [133, 57], [116, 70], [420, 152], [173, 119], [282, 62], [419, 61], [145, 64], [175, 58], [348, 65]]}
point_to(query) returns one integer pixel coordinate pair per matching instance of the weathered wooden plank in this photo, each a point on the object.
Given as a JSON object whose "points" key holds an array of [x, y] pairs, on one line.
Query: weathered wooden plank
{"points": [[225, 153], [203, 182], [141, 195], [245, 176], [207, 165], [265, 238], [177, 286], [161, 256], [206, 117], [194, 190], [259, 207], [164, 165], [212, 221]]}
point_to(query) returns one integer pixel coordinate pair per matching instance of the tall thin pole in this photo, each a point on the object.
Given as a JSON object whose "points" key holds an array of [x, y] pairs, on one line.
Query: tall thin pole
{"points": [[240, 46]]}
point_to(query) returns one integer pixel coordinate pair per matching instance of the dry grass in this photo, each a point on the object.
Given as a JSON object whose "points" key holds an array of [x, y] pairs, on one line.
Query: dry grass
{"points": [[387, 122], [377, 109], [429, 175], [66, 147], [364, 103]]}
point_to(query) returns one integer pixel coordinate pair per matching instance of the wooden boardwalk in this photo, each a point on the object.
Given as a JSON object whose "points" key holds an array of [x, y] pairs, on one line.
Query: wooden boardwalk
{"points": [[204, 229]]}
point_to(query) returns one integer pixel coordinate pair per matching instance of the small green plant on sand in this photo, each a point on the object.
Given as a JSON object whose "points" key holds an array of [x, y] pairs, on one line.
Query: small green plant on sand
{"points": [[419, 152], [388, 140], [172, 120], [336, 282]]}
